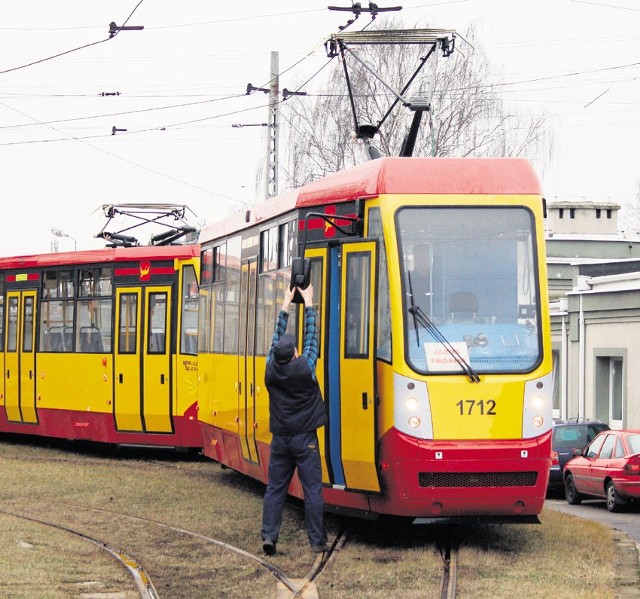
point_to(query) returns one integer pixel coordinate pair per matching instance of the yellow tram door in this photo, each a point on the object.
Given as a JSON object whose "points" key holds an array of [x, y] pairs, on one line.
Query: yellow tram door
{"points": [[246, 362], [357, 366], [19, 367], [142, 395], [127, 361], [156, 361]]}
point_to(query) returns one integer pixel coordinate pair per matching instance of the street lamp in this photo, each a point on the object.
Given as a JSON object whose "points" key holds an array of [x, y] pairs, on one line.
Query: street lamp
{"points": [[59, 233]]}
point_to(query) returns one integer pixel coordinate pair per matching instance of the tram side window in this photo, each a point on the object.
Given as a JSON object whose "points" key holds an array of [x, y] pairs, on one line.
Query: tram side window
{"points": [[56, 326], [269, 249], [266, 310], [94, 311], [204, 321], [157, 325], [58, 284], [383, 341], [358, 305], [230, 314], [206, 267], [94, 326], [282, 281], [277, 248], [218, 295], [28, 325], [12, 325], [128, 323], [266, 289], [286, 244], [316, 281], [189, 320], [96, 282], [57, 311]]}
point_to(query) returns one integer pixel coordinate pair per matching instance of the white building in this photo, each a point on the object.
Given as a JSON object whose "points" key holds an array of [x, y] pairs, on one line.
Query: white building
{"points": [[594, 289]]}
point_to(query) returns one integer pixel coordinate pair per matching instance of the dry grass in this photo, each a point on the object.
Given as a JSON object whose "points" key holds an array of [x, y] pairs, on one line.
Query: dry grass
{"points": [[92, 490]]}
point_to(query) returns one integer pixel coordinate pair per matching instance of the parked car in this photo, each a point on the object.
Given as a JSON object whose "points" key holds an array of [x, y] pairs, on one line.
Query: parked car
{"points": [[569, 438], [608, 468]]}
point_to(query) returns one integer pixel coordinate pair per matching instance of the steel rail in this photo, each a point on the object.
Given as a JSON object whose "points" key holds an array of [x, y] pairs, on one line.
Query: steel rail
{"points": [[141, 578], [278, 574], [320, 563], [449, 554]]}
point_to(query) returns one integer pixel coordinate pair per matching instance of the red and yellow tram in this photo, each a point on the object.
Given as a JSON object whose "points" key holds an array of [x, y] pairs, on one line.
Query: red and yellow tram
{"points": [[435, 356], [101, 345]]}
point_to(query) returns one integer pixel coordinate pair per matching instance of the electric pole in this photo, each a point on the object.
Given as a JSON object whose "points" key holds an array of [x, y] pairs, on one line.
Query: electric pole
{"points": [[271, 180]]}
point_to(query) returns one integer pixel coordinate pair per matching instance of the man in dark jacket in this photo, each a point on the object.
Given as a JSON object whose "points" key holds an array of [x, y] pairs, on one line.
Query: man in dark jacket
{"points": [[296, 411]]}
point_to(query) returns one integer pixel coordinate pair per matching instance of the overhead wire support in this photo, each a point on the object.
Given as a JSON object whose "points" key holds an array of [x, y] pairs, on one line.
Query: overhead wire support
{"points": [[252, 88], [286, 93], [114, 29]]}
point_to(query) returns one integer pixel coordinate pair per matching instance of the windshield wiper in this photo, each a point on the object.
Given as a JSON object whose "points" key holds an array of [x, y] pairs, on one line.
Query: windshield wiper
{"points": [[420, 317], [413, 307]]}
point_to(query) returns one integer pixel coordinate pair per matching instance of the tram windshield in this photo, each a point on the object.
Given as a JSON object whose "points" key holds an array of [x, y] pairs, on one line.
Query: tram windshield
{"points": [[470, 289]]}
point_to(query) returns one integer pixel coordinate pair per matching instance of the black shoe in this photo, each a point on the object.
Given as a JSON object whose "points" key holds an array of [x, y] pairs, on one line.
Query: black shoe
{"points": [[320, 548], [269, 547]]}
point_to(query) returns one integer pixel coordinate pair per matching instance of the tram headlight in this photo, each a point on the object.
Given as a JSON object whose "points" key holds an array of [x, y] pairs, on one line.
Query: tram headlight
{"points": [[412, 404], [538, 421], [538, 402], [414, 422]]}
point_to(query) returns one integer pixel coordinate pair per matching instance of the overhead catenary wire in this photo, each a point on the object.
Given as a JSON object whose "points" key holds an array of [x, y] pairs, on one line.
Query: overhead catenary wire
{"points": [[41, 60]]}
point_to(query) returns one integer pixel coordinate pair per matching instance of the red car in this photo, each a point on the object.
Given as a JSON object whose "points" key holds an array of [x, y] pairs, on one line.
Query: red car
{"points": [[608, 468]]}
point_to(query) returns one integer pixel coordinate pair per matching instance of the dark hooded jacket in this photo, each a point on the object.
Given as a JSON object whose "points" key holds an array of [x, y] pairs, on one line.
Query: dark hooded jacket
{"points": [[295, 400]]}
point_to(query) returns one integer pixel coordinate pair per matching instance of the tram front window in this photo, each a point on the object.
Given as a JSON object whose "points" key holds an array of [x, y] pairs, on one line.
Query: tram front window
{"points": [[470, 283]]}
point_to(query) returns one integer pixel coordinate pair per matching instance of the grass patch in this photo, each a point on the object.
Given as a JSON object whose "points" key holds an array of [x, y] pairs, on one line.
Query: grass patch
{"points": [[92, 490]]}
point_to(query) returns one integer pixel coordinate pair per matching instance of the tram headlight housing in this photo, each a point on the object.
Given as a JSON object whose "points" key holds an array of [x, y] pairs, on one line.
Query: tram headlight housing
{"points": [[411, 407], [538, 407]]}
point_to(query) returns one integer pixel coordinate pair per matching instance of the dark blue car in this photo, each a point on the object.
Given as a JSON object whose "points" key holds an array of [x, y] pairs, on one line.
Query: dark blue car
{"points": [[569, 437]]}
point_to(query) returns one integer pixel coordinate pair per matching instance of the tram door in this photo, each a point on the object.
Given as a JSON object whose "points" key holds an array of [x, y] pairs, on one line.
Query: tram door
{"points": [[357, 365], [19, 366], [142, 360], [246, 361]]}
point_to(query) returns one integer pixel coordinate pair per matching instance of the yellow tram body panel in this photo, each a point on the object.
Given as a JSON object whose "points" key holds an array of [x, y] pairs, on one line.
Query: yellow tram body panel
{"points": [[78, 383]]}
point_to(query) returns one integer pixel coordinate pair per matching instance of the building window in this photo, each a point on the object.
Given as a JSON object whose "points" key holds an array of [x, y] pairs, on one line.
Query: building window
{"points": [[572, 212], [561, 213], [609, 213], [610, 389], [598, 213]]}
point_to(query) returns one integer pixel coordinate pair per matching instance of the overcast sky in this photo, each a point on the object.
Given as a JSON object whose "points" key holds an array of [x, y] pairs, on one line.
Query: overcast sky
{"points": [[180, 85]]}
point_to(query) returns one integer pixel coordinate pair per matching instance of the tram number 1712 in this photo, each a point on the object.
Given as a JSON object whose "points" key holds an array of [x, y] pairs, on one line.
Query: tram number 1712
{"points": [[480, 407]]}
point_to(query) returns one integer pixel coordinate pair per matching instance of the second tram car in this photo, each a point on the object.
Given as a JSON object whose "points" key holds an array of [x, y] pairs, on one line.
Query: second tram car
{"points": [[101, 345], [430, 284]]}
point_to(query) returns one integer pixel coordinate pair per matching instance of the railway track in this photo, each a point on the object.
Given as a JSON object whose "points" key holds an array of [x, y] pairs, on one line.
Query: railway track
{"points": [[449, 553], [142, 580], [140, 577]]}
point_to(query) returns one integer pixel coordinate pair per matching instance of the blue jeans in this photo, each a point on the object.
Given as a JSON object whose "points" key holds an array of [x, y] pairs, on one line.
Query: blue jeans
{"points": [[287, 453]]}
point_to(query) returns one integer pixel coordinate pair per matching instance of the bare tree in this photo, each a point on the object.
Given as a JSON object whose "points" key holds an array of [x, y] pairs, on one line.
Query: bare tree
{"points": [[631, 212], [468, 115]]}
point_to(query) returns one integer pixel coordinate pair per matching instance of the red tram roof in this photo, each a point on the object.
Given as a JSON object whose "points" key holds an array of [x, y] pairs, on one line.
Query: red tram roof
{"points": [[510, 176], [478, 176], [104, 255]]}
